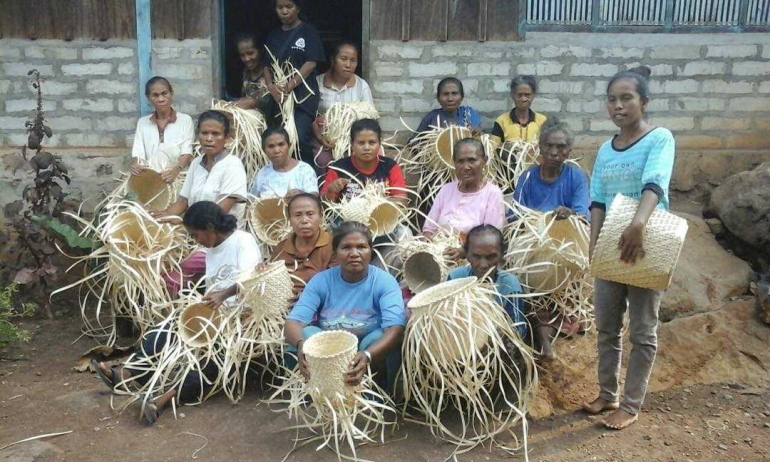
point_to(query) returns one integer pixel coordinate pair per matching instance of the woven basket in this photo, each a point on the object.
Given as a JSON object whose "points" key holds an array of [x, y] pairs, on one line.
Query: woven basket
{"points": [[268, 220], [372, 208], [425, 268], [135, 237], [384, 217], [198, 325], [664, 237], [151, 190], [453, 300], [268, 292], [572, 233], [328, 356], [446, 140]]}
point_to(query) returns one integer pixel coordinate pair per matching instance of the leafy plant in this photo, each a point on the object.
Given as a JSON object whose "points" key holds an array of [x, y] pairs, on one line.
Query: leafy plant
{"points": [[9, 332]]}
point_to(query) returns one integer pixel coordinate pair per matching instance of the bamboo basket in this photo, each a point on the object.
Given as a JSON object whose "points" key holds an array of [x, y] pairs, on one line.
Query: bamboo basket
{"points": [[424, 264], [326, 406], [199, 325], [372, 208], [664, 238], [150, 189], [338, 120], [268, 220], [283, 73], [514, 159], [461, 350], [247, 128]]}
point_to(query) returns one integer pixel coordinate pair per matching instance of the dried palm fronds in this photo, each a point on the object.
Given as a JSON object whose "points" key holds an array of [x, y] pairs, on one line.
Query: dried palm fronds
{"points": [[266, 298], [514, 159], [338, 120], [127, 271], [424, 263], [325, 405], [268, 220], [247, 128], [282, 75], [372, 207], [461, 349], [550, 257], [664, 238]]}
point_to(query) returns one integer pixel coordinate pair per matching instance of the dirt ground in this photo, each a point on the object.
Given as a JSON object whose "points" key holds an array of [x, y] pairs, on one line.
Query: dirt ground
{"points": [[40, 394]]}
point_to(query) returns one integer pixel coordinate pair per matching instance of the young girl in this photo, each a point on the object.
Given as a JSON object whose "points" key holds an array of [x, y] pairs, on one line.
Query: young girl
{"points": [[230, 253], [285, 176], [636, 163], [254, 93], [450, 94], [163, 139], [522, 123]]}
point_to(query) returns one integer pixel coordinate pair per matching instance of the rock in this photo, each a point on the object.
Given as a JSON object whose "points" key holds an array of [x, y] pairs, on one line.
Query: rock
{"points": [[715, 225], [743, 204], [722, 447], [705, 276], [31, 452]]}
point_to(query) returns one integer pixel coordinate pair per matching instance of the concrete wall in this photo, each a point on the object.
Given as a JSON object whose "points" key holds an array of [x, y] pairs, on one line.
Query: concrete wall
{"points": [[91, 101], [710, 89]]}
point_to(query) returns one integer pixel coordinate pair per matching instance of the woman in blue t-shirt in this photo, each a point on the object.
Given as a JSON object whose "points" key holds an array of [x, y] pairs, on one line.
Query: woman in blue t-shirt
{"points": [[356, 297], [299, 43], [637, 163]]}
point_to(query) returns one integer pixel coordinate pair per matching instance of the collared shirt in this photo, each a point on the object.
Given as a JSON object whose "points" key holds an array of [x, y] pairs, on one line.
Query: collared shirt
{"points": [[160, 149], [509, 128], [227, 178], [359, 91], [305, 267]]}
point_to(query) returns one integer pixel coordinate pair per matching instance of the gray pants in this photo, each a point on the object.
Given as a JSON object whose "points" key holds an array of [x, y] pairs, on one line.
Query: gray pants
{"points": [[611, 300]]}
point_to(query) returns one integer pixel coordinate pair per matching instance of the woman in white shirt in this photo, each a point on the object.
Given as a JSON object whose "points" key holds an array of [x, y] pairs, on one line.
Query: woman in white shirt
{"points": [[285, 176], [218, 177], [163, 139], [230, 253], [339, 84]]}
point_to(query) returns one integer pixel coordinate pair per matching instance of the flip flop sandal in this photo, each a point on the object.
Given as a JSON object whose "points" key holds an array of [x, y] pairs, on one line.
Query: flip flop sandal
{"points": [[151, 413], [107, 381]]}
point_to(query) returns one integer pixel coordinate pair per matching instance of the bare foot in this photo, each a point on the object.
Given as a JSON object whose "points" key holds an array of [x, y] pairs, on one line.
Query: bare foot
{"points": [[547, 354], [619, 420], [599, 405]]}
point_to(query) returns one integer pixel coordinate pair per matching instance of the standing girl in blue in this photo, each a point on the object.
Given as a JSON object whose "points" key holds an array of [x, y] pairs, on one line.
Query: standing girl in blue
{"points": [[450, 94], [637, 163]]}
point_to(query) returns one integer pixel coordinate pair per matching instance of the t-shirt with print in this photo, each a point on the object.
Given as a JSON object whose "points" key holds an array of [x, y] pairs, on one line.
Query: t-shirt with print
{"points": [[387, 171], [227, 178], [298, 45], [374, 302], [645, 164], [237, 254], [271, 183]]}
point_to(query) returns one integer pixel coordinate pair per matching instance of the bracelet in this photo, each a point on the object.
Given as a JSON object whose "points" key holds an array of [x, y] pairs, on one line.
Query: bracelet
{"points": [[368, 356]]}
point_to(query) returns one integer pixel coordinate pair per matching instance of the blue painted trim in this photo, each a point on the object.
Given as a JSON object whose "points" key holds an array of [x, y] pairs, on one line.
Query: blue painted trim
{"points": [[223, 51], [144, 50]]}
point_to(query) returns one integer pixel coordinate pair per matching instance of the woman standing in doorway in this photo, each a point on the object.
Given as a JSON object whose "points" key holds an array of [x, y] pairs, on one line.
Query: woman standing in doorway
{"points": [[299, 43]]}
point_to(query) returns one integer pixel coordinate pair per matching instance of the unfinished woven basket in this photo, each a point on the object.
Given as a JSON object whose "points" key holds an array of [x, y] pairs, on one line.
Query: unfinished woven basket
{"points": [[664, 237], [199, 325], [372, 208], [338, 120], [150, 189], [268, 220], [328, 357]]}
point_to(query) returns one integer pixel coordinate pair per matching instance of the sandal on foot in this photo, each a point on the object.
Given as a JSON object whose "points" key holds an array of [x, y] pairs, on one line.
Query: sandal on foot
{"points": [[151, 413], [110, 382]]}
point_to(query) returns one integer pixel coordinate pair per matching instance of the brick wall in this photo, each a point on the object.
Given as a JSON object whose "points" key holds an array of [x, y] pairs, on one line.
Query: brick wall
{"points": [[711, 90]]}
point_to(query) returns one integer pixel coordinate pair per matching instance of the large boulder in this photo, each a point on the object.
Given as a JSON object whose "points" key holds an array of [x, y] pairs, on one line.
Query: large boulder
{"points": [[705, 276], [743, 204]]}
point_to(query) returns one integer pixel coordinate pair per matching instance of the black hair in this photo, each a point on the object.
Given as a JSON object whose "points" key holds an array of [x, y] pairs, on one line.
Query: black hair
{"points": [[275, 131], [155, 80], [305, 195], [298, 3], [481, 230], [448, 80], [640, 75], [472, 142], [349, 227], [365, 125], [205, 215], [524, 80], [554, 125], [217, 116], [247, 36], [344, 43]]}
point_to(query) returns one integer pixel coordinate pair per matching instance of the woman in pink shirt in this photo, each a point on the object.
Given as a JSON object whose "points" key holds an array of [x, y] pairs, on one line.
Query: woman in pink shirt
{"points": [[470, 200]]}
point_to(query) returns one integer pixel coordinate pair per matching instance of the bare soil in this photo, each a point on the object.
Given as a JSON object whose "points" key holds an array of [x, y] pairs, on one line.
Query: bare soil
{"points": [[40, 394]]}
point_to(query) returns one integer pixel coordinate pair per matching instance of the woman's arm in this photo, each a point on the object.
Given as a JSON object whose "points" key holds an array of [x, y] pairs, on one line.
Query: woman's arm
{"points": [[246, 102], [391, 338], [631, 243], [177, 209], [227, 203]]}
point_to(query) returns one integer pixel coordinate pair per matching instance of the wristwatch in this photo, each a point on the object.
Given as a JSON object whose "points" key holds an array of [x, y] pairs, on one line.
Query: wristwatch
{"points": [[368, 356]]}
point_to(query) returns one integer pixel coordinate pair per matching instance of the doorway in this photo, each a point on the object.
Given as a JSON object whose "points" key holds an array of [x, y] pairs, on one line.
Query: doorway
{"points": [[335, 20]]}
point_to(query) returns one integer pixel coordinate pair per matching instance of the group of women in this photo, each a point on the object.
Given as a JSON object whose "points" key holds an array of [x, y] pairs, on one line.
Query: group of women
{"points": [[340, 288]]}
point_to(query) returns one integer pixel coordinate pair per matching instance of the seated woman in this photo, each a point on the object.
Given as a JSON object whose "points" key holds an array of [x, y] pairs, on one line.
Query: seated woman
{"points": [[254, 94], [554, 186], [231, 252], [522, 123], [484, 248], [285, 176], [469, 201], [217, 177], [163, 139], [308, 249], [450, 94], [366, 164], [339, 84], [355, 297]]}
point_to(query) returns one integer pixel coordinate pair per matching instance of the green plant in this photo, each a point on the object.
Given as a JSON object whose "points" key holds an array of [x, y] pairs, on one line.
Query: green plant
{"points": [[9, 332]]}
